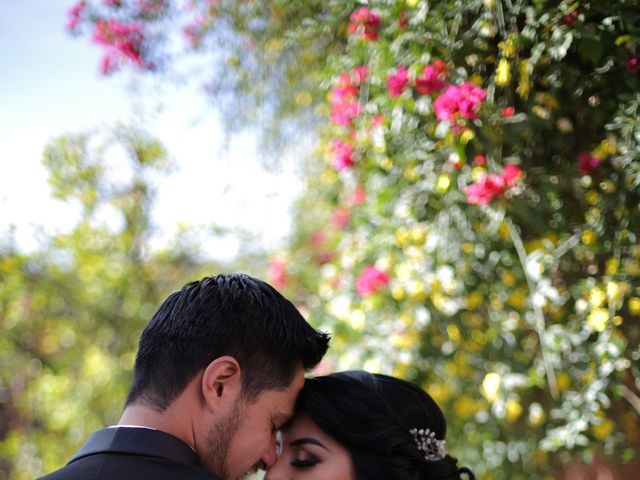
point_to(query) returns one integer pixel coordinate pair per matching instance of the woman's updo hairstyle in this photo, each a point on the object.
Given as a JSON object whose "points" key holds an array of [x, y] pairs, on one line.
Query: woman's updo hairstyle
{"points": [[373, 417]]}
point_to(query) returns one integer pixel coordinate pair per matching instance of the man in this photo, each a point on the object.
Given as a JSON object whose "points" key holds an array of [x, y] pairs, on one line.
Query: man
{"points": [[218, 369]]}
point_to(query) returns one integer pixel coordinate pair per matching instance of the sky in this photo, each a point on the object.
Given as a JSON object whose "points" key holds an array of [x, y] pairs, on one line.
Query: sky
{"points": [[50, 85]]}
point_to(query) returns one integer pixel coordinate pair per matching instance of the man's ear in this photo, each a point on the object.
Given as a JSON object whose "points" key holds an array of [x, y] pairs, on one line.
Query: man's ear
{"points": [[221, 383]]}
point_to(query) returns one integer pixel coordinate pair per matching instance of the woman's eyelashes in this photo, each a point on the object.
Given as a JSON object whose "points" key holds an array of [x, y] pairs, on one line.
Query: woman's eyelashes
{"points": [[304, 460]]}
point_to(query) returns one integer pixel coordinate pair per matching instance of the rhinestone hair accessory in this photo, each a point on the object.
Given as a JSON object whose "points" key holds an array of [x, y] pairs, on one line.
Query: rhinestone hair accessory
{"points": [[427, 443]]}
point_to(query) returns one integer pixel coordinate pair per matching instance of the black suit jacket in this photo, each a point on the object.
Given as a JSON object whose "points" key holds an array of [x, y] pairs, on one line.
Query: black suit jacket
{"points": [[125, 453]]}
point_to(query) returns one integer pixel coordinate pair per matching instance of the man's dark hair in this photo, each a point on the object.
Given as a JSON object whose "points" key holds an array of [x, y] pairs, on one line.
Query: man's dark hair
{"points": [[229, 314]]}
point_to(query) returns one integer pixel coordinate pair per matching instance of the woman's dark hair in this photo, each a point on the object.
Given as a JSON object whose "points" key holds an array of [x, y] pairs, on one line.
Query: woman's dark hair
{"points": [[229, 314], [371, 415]]}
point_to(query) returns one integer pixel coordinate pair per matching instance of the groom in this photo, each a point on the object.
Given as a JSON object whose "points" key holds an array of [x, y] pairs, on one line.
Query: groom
{"points": [[218, 370]]}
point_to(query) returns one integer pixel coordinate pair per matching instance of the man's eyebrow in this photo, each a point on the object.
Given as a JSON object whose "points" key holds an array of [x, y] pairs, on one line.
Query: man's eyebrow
{"points": [[305, 440]]}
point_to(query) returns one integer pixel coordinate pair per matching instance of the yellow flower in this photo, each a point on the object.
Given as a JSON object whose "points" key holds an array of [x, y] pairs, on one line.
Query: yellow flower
{"points": [[418, 234], [513, 409], [503, 73], [563, 381], [634, 306], [466, 136], [524, 83], [465, 407], [404, 341], [402, 237], [606, 148], [491, 386], [386, 163], [474, 300], [477, 173], [508, 278], [592, 197], [517, 299], [589, 236], [596, 297], [508, 47], [397, 292], [442, 185], [411, 173], [440, 392], [598, 319], [454, 333], [604, 429], [416, 291], [615, 291]]}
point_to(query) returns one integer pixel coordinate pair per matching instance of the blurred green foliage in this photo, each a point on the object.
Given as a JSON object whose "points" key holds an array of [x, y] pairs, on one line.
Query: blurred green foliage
{"points": [[71, 312]]}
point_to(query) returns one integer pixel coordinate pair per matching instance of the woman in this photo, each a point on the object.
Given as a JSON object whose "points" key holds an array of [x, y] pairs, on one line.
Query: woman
{"points": [[361, 426]]}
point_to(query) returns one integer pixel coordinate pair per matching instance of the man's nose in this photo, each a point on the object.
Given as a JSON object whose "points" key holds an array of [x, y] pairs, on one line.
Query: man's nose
{"points": [[269, 458]]}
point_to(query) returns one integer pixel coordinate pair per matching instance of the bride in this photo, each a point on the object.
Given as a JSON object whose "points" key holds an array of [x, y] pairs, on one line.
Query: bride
{"points": [[361, 426]]}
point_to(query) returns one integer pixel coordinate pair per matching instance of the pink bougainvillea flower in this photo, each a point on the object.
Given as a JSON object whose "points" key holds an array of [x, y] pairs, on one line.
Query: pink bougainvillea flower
{"points": [[277, 272], [432, 79], [344, 101], [342, 155], [377, 120], [75, 14], [359, 195], [632, 65], [587, 163], [397, 81], [121, 40], [480, 159], [508, 112], [510, 174], [462, 101], [361, 73], [483, 191], [469, 99], [366, 22], [340, 217], [490, 186], [317, 238], [570, 18], [345, 89], [446, 105], [342, 113], [371, 280]]}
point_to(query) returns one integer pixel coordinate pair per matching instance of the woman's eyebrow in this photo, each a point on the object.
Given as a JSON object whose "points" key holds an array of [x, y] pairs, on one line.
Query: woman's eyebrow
{"points": [[305, 440]]}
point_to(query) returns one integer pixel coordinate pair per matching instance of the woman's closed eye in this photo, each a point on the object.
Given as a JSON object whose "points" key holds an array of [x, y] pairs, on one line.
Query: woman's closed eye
{"points": [[304, 459]]}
